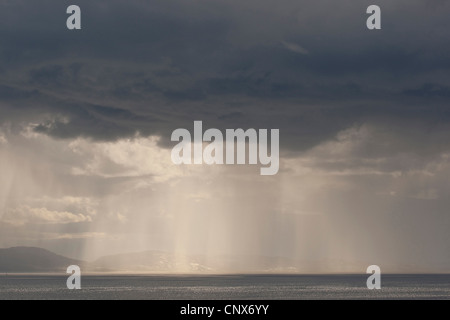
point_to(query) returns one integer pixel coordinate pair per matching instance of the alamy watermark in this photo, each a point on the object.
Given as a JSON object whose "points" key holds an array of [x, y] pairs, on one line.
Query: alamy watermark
{"points": [[218, 151], [74, 281], [74, 20], [374, 281]]}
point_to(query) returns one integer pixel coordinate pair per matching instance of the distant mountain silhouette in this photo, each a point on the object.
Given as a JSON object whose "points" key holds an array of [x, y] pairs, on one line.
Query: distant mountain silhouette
{"points": [[31, 259], [148, 261], [163, 262]]}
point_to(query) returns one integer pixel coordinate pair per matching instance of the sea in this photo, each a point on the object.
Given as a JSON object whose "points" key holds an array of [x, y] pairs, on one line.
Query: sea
{"points": [[223, 287]]}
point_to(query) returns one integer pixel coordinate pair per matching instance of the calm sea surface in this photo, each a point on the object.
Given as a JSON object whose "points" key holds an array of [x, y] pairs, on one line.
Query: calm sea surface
{"points": [[226, 287]]}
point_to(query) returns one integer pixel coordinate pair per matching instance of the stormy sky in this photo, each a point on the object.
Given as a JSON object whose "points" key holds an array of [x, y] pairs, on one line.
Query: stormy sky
{"points": [[364, 118]]}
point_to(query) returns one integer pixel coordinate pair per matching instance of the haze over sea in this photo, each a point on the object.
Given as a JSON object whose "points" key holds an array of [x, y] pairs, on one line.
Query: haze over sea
{"points": [[276, 287]]}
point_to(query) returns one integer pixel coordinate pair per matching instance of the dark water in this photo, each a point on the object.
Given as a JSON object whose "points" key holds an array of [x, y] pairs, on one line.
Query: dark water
{"points": [[226, 287]]}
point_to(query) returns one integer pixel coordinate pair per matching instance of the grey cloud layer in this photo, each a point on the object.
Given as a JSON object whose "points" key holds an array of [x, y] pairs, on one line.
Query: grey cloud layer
{"points": [[310, 68]]}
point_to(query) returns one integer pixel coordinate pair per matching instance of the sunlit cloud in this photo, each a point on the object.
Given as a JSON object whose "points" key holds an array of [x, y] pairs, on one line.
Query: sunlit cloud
{"points": [[135, 157], [25, 214], [71, 236]]}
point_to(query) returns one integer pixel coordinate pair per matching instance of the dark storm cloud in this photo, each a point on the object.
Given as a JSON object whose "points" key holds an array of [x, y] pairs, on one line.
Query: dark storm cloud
{"points": [[309, 68], [430, 90]]}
